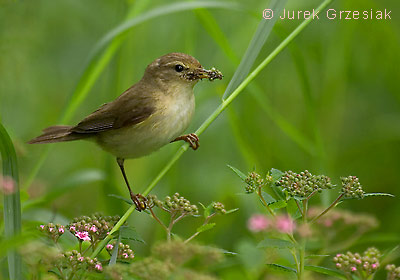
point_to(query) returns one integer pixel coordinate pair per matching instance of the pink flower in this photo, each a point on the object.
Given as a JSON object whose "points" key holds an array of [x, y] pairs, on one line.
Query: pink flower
{"points": [[72, 228], [125, 255], [338, 265], [41, 226], [93, 228], [98, 267], [353, 268], [109, 247], [358, 261], [83, 235], [338, 255], [7, 185], [80, 259], [374, 266], [285, 224], [61, 230], [131, 256], [51, 229], [258, 223]]}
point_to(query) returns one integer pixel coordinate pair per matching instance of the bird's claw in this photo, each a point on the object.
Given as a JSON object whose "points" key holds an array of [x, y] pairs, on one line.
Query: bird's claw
{"points": [[140, 201], [191, 138]]}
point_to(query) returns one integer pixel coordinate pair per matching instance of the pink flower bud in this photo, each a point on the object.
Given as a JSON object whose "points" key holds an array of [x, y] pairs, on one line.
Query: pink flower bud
{"points": [[353, 268], [285, 224], [98, 267], [83, 235], [258, 223]]}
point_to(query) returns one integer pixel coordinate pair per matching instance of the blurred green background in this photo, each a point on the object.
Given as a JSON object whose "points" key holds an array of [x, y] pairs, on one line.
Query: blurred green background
{"points": [[337, 86]]}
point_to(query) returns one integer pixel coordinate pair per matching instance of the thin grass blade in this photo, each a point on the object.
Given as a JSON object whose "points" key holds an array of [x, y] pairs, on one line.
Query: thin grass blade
{"points": [[12, 204], [257, 42]]}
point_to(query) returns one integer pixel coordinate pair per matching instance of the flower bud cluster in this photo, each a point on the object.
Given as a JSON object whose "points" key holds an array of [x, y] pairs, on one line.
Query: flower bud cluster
{"points": [[393, 272], [351, 187], [93, 228], [176, 204], [75, 260], [304, 183], [219, 207], [368, 263], [53, 231], [254, 181], [124, 251]]}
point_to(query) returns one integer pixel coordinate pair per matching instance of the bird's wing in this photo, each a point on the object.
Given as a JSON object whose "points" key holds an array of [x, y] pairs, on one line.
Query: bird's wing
{"points": [[124, 111]]}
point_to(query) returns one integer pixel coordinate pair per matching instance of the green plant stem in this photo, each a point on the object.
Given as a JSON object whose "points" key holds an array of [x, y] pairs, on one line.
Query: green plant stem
{"points": [[197, 232], [225, 103], [302, 253], [333, 204], [157, 219], [265, 203], [113, 230]]}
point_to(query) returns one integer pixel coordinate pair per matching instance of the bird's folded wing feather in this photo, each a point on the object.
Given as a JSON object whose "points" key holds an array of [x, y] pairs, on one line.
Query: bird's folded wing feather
{"points": [[123, 112]]}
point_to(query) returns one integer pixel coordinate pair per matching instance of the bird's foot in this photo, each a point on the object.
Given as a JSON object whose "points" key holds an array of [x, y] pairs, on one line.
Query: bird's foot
{"points": [[140, 201], [191, 138]]}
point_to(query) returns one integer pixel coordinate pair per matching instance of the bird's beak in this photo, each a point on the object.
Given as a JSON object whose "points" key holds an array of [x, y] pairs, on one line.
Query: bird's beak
{"points": [[211, 74]]}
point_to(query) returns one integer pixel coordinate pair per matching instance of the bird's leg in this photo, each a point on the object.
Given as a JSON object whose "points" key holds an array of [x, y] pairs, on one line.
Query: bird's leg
{"points": [[191, 138], [138, 199]]}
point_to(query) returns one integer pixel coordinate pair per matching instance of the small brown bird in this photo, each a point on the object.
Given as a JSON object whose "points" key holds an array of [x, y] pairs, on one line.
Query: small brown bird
{"points": [[150, 114]]}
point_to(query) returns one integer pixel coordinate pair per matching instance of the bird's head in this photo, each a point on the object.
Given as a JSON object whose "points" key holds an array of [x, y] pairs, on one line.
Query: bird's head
{"points": [[179, 68]]}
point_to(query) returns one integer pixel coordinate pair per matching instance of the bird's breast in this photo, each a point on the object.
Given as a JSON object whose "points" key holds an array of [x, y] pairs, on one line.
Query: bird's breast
{"points": [[170, 119]]}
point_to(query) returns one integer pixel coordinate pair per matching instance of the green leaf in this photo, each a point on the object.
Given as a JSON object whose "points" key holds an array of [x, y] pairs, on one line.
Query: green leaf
{"points": [[114, 255], [379, 194], [238, 172], [275, 243], [326, 271], [277, 204], [293, 209], [205, 227], [231, 211], [129, 201], [130, 233], [282, 268], [208, 210], [12, 203], [268, 198], [276, 174]]}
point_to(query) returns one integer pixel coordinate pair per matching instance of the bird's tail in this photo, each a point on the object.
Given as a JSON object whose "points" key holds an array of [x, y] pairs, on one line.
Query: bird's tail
{"points": [[58, 133]]}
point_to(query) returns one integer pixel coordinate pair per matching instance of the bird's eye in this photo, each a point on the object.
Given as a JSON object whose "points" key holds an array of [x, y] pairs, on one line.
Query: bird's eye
{"points": [[178, 68]]}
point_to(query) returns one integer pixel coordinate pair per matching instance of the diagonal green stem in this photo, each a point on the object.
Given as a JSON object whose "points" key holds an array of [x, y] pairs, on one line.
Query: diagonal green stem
{"points": [[224, 104]]}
